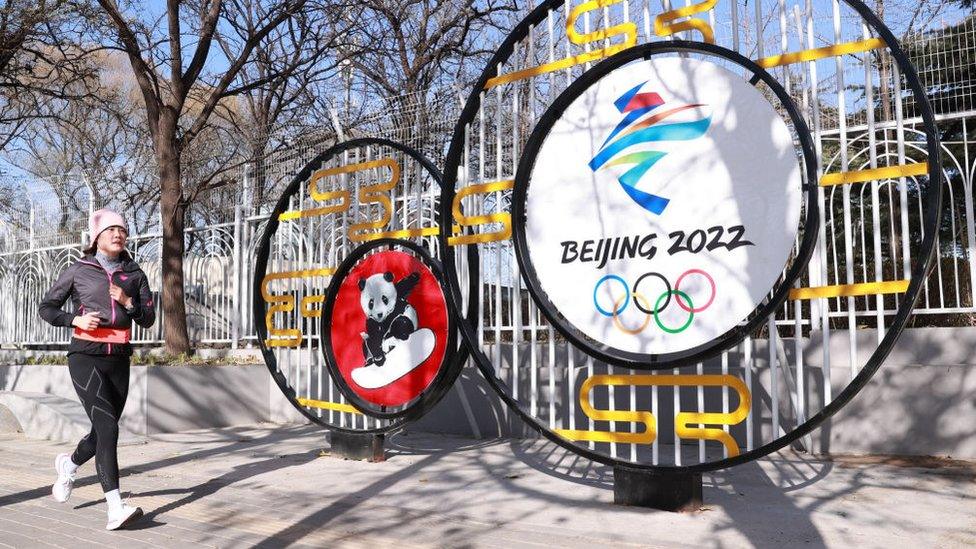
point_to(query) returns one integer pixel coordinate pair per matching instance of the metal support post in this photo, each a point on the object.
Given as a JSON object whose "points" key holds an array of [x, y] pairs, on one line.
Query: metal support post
{"points": [[676, 492], [358, 446]]}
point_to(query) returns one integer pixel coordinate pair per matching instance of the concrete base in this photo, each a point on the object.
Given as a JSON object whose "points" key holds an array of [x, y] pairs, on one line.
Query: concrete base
{"points": [[168, 399], [45, 416], [673, 492], [360, 447], [50, 417], [9, 422]]}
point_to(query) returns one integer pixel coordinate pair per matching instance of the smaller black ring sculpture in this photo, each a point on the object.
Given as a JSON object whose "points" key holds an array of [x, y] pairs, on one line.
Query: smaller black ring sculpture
{"points": [[259, 306]]}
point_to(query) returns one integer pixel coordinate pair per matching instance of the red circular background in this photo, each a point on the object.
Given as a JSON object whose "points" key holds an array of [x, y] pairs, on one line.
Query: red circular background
{"points": [[348, 320]]}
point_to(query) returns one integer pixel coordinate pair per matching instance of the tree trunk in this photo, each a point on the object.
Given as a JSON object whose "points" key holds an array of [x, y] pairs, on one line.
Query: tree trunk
{"points": [[260, 162], [884, 75], [173, 214]]}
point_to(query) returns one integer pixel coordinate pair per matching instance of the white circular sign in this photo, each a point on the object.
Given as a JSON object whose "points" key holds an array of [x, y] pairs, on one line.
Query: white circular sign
{"points": [[663, 205]]}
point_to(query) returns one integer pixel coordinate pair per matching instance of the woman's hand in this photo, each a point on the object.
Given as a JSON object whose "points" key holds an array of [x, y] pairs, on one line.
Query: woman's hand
{"points": [[118, 295], [87, 322]]}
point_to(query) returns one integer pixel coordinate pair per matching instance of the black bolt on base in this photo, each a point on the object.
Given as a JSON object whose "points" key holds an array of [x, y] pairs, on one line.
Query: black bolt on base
{"points": [[676, 492], [358, 446]]}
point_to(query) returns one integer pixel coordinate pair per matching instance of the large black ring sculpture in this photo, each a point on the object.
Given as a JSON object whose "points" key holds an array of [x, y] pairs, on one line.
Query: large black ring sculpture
{"points": [[922, 260]]}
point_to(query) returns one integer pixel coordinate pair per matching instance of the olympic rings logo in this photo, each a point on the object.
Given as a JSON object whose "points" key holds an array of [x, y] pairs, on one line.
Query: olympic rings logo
{"points": [[681, 298]]}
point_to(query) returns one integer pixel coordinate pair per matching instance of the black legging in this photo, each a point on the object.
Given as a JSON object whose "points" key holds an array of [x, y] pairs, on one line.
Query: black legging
{"points": [[102, 383]]}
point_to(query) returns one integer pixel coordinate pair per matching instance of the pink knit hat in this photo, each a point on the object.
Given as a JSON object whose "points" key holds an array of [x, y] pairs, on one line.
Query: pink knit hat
{"points": [[101, 220]]}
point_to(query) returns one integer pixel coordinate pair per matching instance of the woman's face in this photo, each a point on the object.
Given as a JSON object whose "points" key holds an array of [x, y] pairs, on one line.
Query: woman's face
{"points": [[112, 240]]}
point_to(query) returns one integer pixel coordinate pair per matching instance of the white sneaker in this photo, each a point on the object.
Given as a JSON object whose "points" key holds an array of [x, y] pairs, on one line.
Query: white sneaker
{"points": [[125, 516], [62, 487]]}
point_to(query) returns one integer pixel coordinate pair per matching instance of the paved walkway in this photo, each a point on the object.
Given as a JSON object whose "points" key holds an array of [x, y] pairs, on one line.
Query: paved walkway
{"points": [[273, 486]]}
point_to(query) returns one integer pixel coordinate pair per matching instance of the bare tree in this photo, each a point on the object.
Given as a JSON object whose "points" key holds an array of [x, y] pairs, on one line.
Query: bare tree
{"points": [[94, 148], [42, 59], [180, 96], [416, 45], [289, 65], [20, 22]]}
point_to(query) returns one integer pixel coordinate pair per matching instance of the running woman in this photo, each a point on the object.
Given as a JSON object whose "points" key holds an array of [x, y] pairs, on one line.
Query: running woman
{"points": [[108, 292]]}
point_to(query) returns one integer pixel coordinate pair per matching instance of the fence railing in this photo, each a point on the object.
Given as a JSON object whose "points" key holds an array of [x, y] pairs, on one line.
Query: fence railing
{"points": [[218, 265], [216, 271]]}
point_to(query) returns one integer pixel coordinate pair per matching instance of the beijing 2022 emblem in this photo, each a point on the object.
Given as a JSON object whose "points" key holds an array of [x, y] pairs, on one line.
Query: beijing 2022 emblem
{"points": [[659, 234]]}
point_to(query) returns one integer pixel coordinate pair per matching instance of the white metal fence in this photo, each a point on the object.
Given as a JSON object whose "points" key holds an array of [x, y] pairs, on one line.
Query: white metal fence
{"points": [[219, 257]]}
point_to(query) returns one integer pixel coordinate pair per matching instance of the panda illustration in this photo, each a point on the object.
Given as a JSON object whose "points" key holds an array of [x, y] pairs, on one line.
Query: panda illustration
{"points": [[389, 318]]}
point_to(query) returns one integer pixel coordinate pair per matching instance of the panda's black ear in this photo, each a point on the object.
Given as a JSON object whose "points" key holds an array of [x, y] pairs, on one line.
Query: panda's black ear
{"points": [[362, 284], [388, 277]]}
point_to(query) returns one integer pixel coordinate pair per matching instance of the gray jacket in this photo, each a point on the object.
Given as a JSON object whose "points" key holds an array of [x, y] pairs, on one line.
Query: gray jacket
{"points": [[86, 282]]}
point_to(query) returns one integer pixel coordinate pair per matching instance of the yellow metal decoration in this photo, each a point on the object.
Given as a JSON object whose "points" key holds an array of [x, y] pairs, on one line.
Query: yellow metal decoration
{"points": [[505, 218], [664, 24], [343, 205], [820, 53], [310, 301], [378, 193], [688, 425], [318, 195], [289, 337], [326, 405], [370, 194], [875, 174], [402, 233], [850, 290], [628, 30]]}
